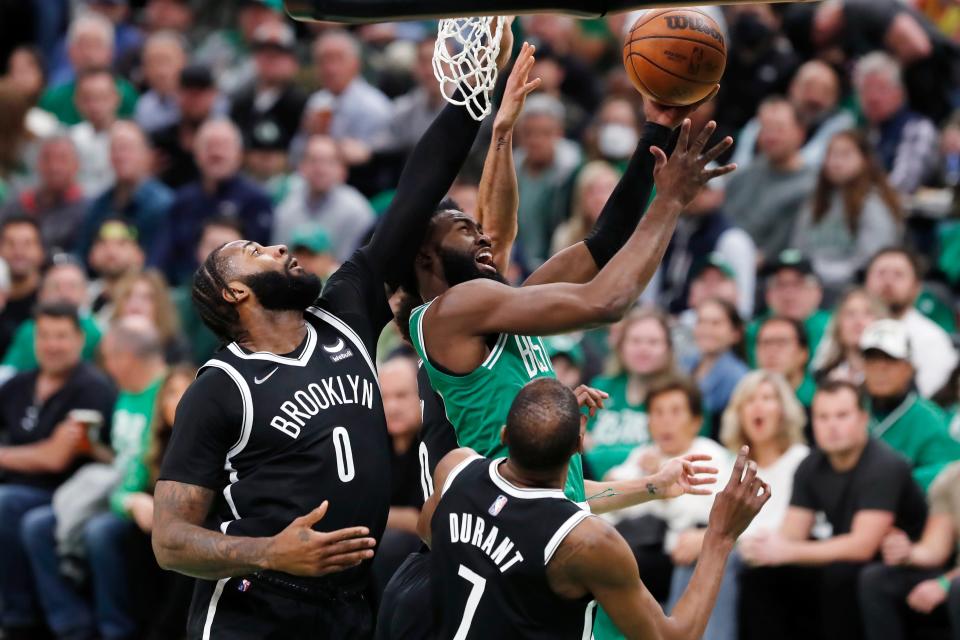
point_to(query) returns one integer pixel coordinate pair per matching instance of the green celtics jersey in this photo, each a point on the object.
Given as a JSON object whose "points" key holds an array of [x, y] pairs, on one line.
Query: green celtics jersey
{"points": [[477, 403]]}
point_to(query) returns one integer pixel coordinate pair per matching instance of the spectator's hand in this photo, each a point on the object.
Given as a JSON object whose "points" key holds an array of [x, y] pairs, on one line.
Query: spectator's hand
{"points": [[71, 436], [926, 596], [681, 476], [896, 548], [672, 117], [140, 508], [517, 89], [682, 175], [590, 398], [355, 152], [737, 505], [300, 550], [506, 42], [688, 547]]}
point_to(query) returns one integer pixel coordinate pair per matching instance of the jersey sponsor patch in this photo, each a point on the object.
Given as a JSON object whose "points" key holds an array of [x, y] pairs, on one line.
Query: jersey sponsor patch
{"points": [[497, 505]]}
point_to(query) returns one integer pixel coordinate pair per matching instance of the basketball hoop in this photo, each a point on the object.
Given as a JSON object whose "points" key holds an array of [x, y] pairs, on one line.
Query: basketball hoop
{"points": [[465, 62]]}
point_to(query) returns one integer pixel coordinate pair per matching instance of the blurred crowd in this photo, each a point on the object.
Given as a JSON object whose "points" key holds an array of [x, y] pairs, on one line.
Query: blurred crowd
{"points": [[136, 136]]}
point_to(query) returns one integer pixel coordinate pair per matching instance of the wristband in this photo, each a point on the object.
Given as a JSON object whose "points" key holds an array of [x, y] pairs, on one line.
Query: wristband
{"points": [[944, 583]]}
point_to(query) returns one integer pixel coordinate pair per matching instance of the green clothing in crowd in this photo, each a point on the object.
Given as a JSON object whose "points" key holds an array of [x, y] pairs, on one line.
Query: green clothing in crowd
{"points": [[806, 390], [815, 326], [130, 439], [616, 429], [59, 101], [937, 310], [917, 429], [22, 355]]}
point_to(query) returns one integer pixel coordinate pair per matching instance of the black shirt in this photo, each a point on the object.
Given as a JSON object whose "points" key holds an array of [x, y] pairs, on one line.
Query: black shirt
{"points": [[437, 435], [13, 315], [880, 481], [405, 478], [23, 422]]}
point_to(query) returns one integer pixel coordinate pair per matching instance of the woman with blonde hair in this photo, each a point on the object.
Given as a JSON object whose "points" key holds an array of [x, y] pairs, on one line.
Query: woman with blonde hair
{"points": [[838, 357], [591, 190], [642, 355], [147, 294]]}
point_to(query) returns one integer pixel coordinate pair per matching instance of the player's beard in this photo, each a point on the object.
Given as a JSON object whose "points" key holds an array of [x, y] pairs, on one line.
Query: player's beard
{"points": [[284, 291], [462, 267]]}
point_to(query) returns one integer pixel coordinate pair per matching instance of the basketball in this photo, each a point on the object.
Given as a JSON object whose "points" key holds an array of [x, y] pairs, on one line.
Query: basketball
{"points": [[675, 56]]}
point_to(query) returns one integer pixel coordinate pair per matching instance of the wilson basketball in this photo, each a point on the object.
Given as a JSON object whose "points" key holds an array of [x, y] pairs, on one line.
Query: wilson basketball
{"points": [[675, 56]]}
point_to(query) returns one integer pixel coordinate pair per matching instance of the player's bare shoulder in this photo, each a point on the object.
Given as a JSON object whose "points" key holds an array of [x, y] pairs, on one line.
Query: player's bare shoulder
{"points": [[590, 549]]}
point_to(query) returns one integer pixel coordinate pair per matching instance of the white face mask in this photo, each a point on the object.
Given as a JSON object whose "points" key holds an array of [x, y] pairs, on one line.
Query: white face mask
{"points": [[617, 141]]}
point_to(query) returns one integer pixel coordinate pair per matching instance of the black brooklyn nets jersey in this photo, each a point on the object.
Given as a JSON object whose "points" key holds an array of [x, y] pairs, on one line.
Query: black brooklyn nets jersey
{"points": [[305, 427], [437, 435], [491, 545]]}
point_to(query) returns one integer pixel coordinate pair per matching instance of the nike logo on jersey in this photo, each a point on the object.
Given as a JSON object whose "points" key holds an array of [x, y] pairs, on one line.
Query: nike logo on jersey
{"points": [[266, 377], [335, 348]]}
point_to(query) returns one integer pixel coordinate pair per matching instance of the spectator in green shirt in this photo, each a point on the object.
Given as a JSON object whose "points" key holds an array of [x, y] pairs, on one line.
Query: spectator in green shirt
{"points": [[791, 291], [909, 423], [89, 47], [64, 281]]}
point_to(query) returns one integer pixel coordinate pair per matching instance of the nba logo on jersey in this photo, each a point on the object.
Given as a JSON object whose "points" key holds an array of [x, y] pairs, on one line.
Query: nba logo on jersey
{"points": [[244, 586], [497, 505]]}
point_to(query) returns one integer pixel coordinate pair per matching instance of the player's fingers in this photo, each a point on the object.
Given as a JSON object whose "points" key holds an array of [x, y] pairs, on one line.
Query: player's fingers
{"points": [[704, 137], [661, 157], [717, 150], [344, 561], [314, 516], [348, 533], [694, 491], [697, 457], [348, 546], [749, 474], [720, 171], [739, 466], [683, 142], [701, 469], [532, 86], [698, 480]]}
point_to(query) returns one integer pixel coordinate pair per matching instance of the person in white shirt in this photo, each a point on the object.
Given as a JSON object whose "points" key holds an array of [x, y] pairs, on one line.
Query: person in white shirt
{"points": [[97, 101], [675, 418], [893, 276]]}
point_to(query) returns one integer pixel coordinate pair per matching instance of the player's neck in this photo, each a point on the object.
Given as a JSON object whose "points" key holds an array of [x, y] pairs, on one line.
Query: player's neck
{"points": [[526, 479], [277, 332]]}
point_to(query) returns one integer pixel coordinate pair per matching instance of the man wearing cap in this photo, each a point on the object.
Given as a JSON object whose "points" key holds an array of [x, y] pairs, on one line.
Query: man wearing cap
{"points": [[135, 196], [325, 200], [198, 100], [793, 291], [114, 256], [705, 230], [312, 249], [268, 111], [894, 277], [910, 424]]}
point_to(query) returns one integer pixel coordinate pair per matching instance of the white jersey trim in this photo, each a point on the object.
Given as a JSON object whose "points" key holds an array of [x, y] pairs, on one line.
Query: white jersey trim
{"points": [[299, 361], [246, 427], [562, 533], [350, 334], [588, 621], [495, 352], [212, 607], [455, 472], [518, 492]]}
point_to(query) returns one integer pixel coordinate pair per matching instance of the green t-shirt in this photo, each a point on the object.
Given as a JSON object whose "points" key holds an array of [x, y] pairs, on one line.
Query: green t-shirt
{"points": [[617, 429], [130, 438], [59, 101], [918, 430], [477, 403], [22, 354], [806, 390], [934, 308], [815, 326]]}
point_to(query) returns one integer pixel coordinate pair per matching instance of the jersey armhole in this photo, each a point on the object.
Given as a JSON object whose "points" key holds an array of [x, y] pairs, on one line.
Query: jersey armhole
{"points": [[561, 534], [488, 362], [455, 472], [246, 398]]}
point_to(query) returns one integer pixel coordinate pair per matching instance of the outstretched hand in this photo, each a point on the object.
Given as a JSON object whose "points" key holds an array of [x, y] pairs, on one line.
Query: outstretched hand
{"points": [[590, 398], [683, 174], [737, 505], [517, 89], [301, 550], [672, 117], [681, 476]]}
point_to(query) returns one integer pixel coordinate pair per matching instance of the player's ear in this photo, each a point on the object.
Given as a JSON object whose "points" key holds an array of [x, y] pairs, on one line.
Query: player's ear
{"points": [[236, 292]]}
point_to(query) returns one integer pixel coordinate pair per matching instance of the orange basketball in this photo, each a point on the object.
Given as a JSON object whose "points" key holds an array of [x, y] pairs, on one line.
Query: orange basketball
{"points": [[675, 56]]}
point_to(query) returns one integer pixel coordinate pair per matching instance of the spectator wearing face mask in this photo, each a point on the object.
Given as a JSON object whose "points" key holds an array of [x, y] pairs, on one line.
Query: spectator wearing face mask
{"points": [[614, 133]]}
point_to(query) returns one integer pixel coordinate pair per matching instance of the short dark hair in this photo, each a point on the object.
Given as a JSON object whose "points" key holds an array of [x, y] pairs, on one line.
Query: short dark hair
{"points": [[209, 283], [682, 384], [896, 251], [13, 221], [60, 310], [782, 101], [798, 328], [543, 425], [833, 387]]}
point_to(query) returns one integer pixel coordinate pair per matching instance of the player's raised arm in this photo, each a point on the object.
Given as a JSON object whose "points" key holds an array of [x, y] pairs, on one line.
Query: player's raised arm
{"points": [[483, 307], [182, 544], [426, 178], [596, 559], [499, 199], [626, 205]]}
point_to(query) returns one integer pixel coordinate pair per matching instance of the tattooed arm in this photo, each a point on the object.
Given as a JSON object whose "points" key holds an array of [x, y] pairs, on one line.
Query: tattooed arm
{"points": [[182, 544]]}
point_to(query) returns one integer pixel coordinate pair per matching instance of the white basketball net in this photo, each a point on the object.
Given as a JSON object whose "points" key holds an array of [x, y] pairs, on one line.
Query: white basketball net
{"points": [[465, 57]]}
